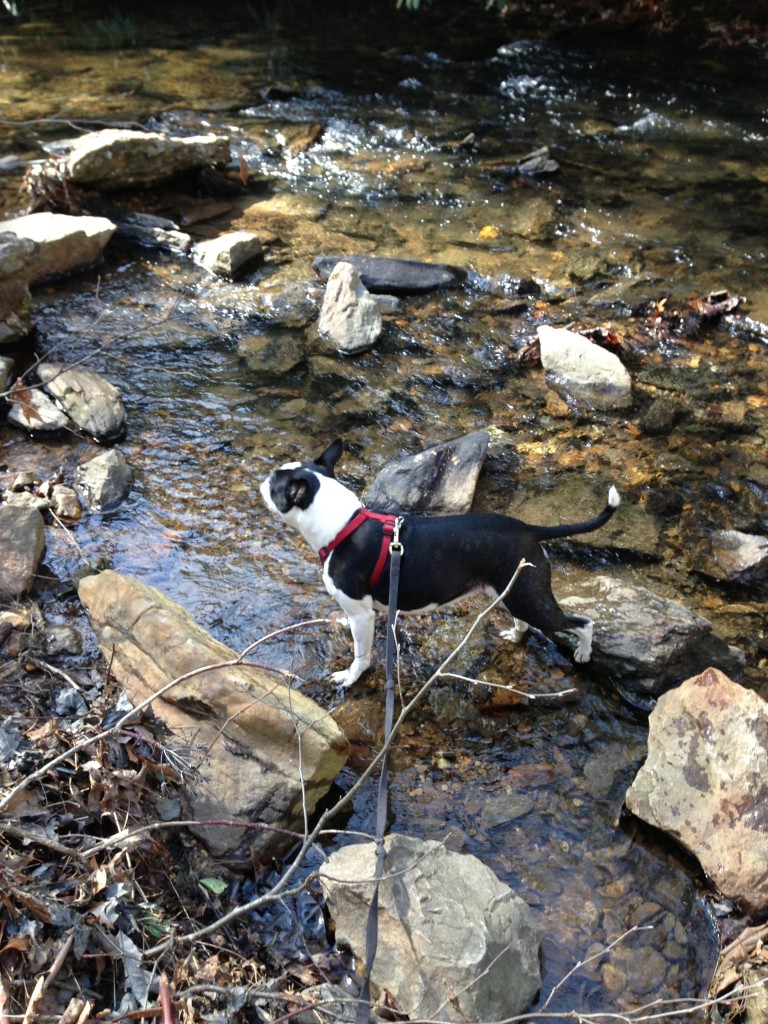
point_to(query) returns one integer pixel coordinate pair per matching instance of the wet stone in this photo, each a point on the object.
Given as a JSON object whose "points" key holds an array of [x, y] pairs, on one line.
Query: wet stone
{"points": [[105, 480], [381, 274]]}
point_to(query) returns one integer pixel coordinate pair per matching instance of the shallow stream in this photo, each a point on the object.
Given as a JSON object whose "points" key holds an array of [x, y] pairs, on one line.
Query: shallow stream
{"points": [[660, 191]]}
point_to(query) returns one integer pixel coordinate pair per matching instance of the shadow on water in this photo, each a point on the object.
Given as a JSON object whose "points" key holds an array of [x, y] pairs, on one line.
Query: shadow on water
{"points": [[658, 192]]}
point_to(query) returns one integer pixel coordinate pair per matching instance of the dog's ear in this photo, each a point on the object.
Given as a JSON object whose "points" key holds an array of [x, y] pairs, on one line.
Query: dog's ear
{"points": [[297, 493], [330, 456]]}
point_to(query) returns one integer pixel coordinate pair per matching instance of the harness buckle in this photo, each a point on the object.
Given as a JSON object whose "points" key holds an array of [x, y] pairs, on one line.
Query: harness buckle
{"points": [[394, 544]]}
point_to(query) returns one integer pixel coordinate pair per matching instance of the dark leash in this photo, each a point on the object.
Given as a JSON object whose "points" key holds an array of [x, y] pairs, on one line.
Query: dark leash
{"points": [[363, 1015]]}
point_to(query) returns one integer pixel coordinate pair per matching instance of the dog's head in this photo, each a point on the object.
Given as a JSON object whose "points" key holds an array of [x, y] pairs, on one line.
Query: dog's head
{"points": [[307, 495]]}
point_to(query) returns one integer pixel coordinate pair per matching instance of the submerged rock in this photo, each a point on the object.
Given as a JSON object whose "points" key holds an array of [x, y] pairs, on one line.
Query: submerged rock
{"points": [[350, 316], [705, 781], [644, 643], [64, 243], [582, 371], [440, 479], [22, 542], [260, 752], [454, 942], [386, 275], [91, 402]]}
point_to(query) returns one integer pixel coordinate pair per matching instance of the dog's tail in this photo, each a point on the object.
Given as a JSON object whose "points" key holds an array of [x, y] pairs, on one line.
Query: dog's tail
{"points": [[553, 532]]}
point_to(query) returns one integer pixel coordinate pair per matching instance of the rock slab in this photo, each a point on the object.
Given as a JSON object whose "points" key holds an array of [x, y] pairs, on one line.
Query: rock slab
{"points": [[17, 257], [440, 479], [121, 158], [22, 542], [645, 643], [349, 316], [705, 781], [262, 752], [455, 943]]}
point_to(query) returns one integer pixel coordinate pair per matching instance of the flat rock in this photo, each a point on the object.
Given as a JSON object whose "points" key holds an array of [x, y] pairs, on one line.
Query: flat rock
{"points": [[705, 781], [440, 479], [454, 942], [645, 643], [386, 275], [91, 402], [229, 253], [260, 752], [121, 158], [583, 372], [349, 316], [65, 243], [22, 542]]}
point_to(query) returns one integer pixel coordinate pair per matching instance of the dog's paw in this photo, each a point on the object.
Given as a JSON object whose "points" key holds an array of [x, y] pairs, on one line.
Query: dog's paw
{"points": [[517, 633], [341, 679], [581, 657]]}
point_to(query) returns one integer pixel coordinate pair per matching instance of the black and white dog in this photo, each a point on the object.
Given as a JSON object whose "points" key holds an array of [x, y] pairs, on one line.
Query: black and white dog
{"points": [[444, 557]]}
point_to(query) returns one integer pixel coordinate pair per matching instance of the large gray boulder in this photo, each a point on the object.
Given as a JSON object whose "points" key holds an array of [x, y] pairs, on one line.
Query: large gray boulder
{"points": [[64, 243], [349, 317], [91, 402], [705, 781], [22, 542], [643, 642], [259, 751], [440, 480], [582, 372], [454, 942]]}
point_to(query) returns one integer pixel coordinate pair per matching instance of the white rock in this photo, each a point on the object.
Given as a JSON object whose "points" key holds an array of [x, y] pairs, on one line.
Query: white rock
{"points": [[33, 410], [350, 316], [226, 254], [66, 243], [582, 370]]}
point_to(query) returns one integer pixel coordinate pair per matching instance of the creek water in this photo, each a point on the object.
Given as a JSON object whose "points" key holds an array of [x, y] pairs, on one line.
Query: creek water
{"points": [[660, 191]]}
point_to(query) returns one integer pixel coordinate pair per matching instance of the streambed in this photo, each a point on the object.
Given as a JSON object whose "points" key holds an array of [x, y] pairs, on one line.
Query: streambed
{"points": [[659, 190]]}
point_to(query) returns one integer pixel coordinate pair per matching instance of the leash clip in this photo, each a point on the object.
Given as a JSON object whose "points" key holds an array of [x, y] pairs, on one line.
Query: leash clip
{"points": [[394, 544]]}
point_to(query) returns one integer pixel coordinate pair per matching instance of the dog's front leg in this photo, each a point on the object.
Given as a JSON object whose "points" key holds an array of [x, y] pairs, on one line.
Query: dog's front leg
{"points": [[362, 619]]}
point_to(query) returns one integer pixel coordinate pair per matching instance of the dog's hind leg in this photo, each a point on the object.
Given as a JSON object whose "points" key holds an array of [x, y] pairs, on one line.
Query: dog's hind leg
{"points": [[583, 631], [517, 632]]}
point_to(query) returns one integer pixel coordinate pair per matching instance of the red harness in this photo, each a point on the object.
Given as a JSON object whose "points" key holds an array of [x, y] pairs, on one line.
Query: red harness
{"points": [[388, 525]]}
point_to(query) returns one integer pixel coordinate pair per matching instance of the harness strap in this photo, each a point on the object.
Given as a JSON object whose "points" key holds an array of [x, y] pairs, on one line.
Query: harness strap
{"points": [[358, 518]]}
